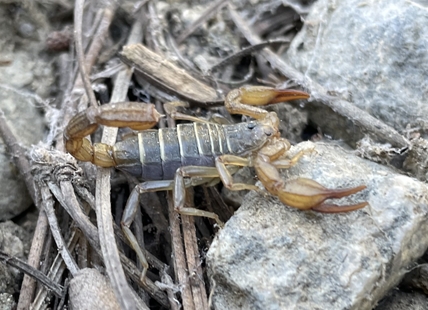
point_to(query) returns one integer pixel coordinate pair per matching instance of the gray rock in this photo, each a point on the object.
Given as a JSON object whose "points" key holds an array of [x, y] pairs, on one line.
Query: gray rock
{"points": [[270, 256], [24, 82], [417, 278], [7, 302], [7, 280], [27, 125], [399, 300], [371, 53], [89, 289], [416, 161], [15, 242], [292, 121]]}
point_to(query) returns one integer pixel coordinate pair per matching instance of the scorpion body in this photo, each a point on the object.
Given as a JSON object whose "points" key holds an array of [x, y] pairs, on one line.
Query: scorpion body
{"points": [[200, 153], [161, 152]]}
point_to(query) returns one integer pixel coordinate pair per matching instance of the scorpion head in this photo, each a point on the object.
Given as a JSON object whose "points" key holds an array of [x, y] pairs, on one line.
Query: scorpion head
{"points": [[271, 121], [265, 129], [248, 137]]}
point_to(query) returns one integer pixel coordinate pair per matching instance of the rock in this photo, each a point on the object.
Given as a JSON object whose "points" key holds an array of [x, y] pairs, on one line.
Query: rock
{"points": [[270, 256], [25, 80], [293, 121], [416, 160], [399, 300], [15, 242], [370, 53], [7, 302], [417, 278], [27, 125], [89, 289], [7, 281]]}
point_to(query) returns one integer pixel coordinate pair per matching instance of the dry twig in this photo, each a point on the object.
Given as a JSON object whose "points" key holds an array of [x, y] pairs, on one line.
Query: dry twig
{"points": [[78, 21], [168, 77], [29, 270], [210, 11], [48, 207], [180, 265], [103, 207]]}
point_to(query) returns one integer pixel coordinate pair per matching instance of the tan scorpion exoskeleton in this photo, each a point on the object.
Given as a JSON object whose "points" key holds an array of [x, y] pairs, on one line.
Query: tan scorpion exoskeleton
{"points": [[200, 153]]}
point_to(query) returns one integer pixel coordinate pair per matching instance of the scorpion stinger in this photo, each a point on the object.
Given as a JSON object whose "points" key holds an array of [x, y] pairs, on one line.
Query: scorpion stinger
{"points": [[199, 152]]}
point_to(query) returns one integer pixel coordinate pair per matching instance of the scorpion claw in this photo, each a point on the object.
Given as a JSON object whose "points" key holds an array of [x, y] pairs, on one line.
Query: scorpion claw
{"points": [[306, 194]]}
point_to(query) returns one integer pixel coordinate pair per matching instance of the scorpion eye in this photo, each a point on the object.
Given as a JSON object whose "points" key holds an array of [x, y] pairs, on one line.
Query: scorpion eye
{"points": [[269, 132], [251, 125]]}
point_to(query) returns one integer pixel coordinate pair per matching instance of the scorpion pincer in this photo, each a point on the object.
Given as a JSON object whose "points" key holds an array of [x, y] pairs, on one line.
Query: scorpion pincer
{"points": [[200, 152]]}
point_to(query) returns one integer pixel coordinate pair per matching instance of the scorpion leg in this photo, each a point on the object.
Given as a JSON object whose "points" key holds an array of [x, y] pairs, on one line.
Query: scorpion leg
{"points": [[171, 110], [179, 197], [276, 151], [196, 175], [299, 193], [226, 176], [129, 214]]}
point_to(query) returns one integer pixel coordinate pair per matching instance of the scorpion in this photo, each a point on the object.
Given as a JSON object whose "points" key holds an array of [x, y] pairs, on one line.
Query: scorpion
{"points": [[200, 152]]}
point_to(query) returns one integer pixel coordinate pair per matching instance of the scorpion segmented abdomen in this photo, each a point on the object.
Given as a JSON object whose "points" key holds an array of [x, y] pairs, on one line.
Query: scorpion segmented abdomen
{"points": [[150, 155], [163, 151], [127, 156], [188, 145], [218, 139], [170, 152], [200, 143]]}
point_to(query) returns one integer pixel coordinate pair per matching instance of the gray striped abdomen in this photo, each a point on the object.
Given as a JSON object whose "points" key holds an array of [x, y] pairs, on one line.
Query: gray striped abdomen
{"points": [[163, 151]]}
